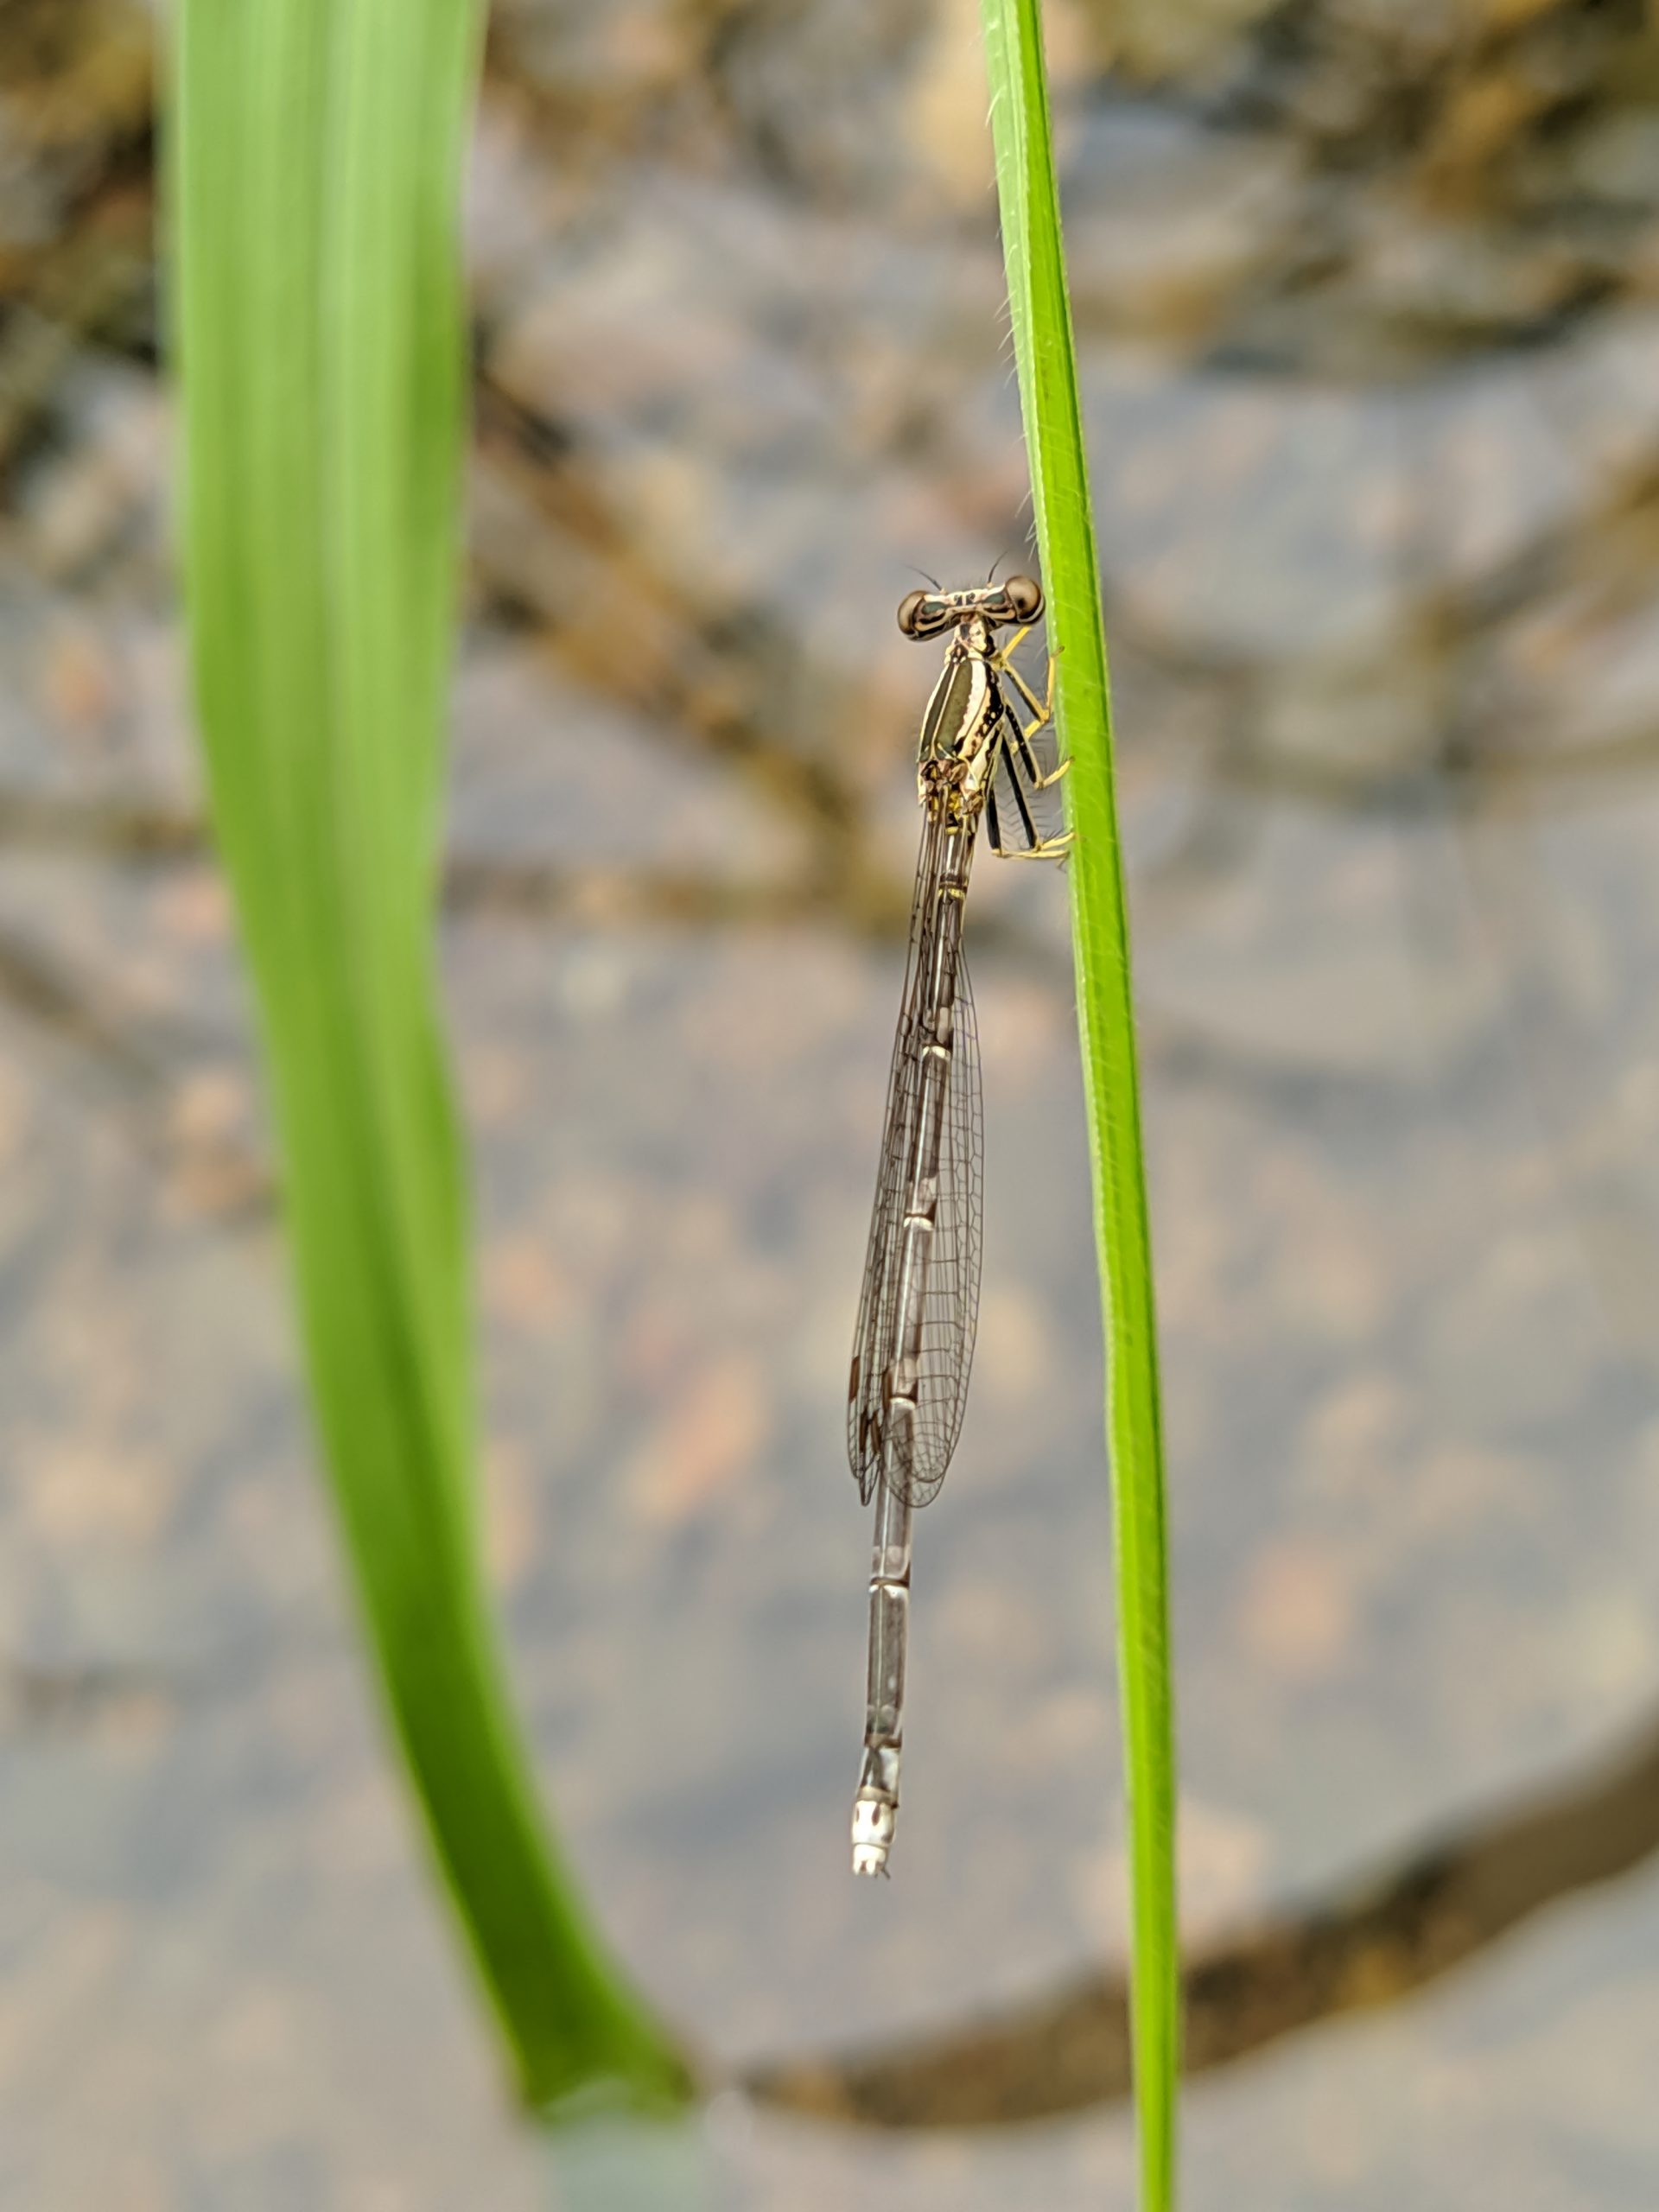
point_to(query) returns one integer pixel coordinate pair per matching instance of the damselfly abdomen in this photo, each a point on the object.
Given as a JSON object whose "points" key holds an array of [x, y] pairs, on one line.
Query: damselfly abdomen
{"points": [[920, 1300]]}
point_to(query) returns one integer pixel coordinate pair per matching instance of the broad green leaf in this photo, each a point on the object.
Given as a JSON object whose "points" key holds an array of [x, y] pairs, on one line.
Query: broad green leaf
{"points": [[317, 149]]}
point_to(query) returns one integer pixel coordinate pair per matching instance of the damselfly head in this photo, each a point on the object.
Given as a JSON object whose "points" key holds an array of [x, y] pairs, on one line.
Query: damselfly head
{"points": [[929, 613]]}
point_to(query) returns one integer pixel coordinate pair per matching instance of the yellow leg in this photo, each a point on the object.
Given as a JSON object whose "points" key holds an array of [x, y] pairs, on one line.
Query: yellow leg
{"points": [[1042, 710], [1050, 849]]}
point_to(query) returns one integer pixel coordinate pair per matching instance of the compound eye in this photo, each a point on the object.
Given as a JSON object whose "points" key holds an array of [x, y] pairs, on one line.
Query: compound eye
{"points": [[910, 613], [1025, 597]]}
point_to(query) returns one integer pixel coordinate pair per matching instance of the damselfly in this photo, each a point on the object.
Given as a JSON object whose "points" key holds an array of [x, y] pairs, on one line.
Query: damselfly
{"points": [[920, 1300]]}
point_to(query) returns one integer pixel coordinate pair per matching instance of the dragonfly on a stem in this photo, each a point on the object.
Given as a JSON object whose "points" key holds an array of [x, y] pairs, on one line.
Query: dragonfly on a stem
{"points": [[920, 1302]]}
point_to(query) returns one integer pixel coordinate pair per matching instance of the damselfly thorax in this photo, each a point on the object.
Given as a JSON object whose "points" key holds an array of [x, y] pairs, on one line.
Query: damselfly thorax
{"points": [[920, 1300]]}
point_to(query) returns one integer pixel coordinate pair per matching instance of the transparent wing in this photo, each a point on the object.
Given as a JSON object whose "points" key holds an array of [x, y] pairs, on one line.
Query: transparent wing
{"points": [[952, 1317], [913, 1456]]}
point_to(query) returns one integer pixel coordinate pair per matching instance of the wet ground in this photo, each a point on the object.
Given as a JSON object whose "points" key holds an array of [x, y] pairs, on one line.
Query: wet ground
{"points": [[1369, 307]]}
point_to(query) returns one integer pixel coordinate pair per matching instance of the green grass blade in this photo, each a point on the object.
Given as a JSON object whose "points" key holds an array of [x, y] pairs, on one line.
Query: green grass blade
{"points": [[1048, 390], [316, 158]]}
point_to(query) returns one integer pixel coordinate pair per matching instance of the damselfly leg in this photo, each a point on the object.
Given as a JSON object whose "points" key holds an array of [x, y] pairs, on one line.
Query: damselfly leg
{"points": [[1014, 802]]}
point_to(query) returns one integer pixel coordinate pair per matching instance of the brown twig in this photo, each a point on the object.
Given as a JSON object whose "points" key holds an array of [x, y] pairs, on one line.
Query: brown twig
{"points": [[1366, 1945]]}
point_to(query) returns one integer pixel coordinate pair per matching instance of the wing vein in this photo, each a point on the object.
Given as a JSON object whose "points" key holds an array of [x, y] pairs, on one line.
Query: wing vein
{"points": [[919, 1309]]}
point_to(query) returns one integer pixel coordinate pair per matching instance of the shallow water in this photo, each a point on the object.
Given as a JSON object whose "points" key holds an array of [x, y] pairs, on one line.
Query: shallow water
{"points": [[1377, 525]]}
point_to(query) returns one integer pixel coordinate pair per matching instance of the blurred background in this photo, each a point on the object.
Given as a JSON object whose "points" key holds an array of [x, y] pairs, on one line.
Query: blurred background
{"points": [[1368, 298]]}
